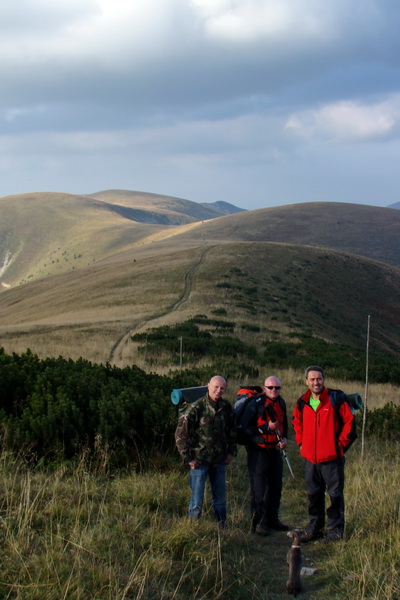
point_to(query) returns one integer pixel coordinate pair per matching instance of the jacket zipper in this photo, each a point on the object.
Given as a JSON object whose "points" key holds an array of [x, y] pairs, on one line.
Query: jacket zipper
{"points": [[316, 428]]}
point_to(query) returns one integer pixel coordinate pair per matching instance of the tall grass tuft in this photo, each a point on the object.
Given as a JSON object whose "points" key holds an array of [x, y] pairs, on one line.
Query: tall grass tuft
{"points": [[368, 565]]}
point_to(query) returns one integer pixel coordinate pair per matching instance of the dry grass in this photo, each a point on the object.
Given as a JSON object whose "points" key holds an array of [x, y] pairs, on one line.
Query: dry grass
{"points": [[120, 275], [67, 314], [77, 535]]}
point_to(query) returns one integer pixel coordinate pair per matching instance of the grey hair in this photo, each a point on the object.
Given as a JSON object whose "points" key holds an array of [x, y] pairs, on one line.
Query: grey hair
{"points": [[314, 368]]}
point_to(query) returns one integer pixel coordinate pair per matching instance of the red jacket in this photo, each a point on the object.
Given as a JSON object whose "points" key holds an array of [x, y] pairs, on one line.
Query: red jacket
{"points": [[321, 434], [279, 411]]}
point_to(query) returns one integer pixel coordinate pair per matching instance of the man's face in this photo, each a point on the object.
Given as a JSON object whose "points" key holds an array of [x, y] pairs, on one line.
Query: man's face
{"points": [[216, 388], [315, 382], [272, 388]]}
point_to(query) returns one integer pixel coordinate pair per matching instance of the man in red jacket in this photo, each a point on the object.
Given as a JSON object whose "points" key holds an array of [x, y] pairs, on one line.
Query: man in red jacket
{"points": [[324, 429], [260, 422]]}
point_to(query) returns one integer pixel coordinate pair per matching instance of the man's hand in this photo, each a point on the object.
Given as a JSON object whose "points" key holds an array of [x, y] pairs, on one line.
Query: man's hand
{"points": [[272, 425], [282, 444], [229, 459], [193, 464]]}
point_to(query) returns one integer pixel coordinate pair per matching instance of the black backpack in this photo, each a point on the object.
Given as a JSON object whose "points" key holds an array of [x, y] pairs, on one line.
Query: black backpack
{"points": [[246, 394], [337, 397]]}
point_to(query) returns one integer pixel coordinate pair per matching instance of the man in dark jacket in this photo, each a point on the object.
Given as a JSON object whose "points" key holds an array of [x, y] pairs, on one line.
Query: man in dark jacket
{"points": [[323, 431], [206, 438], [259, 425]]}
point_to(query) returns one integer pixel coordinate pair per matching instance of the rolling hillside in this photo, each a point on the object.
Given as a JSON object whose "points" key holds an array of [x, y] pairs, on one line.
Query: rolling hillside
{"points": [[93, 275], [46, 234], [280, 288], [367, 231], [163, 210]]}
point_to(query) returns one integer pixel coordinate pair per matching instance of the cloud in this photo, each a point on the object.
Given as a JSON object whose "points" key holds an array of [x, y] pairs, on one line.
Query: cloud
{"points": [[195, 94], [287, 23], [349, 121]]}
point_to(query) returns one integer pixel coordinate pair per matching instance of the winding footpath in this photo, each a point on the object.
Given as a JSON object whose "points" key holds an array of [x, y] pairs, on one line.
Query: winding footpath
{"points": [[116, 349]]}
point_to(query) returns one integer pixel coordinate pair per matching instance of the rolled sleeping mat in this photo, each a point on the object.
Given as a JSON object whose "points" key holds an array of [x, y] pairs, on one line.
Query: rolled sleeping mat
{"points": [[191, 394], [355, 401]]}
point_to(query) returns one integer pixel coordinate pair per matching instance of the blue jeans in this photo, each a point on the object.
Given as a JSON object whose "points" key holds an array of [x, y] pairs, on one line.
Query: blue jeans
{"points": [[216, 475]]}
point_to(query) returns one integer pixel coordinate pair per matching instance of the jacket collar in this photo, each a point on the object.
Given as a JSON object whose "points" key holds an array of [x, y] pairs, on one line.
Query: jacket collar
{"points": [[323, 397]]}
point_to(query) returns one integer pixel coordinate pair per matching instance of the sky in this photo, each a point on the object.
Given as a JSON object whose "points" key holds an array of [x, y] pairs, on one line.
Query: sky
{"points": [[258, 103]]}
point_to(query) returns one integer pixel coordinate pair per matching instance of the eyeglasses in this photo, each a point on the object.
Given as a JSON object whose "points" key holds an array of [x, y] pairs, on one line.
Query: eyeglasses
{"points": [[273, 387]]}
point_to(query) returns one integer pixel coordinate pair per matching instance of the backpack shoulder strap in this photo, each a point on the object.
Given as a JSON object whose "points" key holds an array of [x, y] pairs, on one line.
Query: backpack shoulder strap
{"points": [[337, 397]]}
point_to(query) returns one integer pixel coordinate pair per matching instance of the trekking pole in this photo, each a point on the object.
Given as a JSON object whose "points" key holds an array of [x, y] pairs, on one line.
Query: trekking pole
{"points": [[285, 454], [272, 416]]}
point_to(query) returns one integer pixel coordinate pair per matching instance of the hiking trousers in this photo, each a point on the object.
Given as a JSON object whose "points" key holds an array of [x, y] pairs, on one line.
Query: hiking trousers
{"points": [[265, 473], [325, 477]]}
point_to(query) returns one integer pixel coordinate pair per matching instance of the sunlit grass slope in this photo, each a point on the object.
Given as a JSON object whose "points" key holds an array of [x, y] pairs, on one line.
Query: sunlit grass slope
{"points": [[278, 287], [47, 234], [42, 234]]}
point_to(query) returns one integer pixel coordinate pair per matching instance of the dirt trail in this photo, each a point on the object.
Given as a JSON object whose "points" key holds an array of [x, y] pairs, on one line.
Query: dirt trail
{"points": [[116, 350]]}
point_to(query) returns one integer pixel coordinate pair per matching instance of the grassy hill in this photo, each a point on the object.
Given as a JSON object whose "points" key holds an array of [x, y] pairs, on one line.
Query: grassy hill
{"points": [[93, 275], [48, 233], [93, 311], [368, 231], [166, 210], [45, 234]]}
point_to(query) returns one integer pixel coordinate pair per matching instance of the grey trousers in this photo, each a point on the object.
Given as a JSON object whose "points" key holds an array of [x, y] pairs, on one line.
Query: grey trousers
{"points": [[325, 477]]}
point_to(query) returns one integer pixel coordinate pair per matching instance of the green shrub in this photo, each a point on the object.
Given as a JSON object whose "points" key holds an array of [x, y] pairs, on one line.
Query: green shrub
{"points": [[383, 422], [52, 409]]}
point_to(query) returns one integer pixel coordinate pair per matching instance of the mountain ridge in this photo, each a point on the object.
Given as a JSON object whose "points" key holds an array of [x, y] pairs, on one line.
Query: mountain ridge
{"points": [[45, 234], [291, 269]]}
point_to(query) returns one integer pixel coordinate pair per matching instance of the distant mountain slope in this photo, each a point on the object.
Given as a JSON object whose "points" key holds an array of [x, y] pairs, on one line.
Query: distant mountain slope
{"points": [[280, 288], [224, 207], [165, 210], [42, 234], [395, 205], [368, 231], [46, 234]]}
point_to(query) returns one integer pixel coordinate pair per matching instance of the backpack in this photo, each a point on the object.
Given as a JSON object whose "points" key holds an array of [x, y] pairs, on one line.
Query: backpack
{"points": [[246, 394], [337, 397]]}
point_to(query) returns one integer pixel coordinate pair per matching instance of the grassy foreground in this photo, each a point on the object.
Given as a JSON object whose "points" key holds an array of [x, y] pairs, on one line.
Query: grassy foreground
{"points": [[78, 535]]}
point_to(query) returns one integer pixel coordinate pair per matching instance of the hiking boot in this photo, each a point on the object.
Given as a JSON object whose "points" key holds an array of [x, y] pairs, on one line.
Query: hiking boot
{"points": [[333, 536], [262, 530], [310, 536], [278, 526]]}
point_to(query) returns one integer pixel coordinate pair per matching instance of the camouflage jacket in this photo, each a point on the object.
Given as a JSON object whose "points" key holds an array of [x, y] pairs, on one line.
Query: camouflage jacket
{"points": [[206, 432]]}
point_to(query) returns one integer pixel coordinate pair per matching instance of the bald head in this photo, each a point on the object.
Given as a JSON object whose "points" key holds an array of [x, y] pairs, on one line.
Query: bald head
{"points": [[272, 387], [216, 387]]}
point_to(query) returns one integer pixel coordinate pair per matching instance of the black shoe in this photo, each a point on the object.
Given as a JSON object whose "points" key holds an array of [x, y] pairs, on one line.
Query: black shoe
{"points": [[310, 536], [333, 536], [279, 526], [262, 530]]}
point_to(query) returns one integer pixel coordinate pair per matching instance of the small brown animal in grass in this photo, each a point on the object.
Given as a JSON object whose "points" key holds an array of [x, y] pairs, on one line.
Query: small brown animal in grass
{"points": [[295, 561]]}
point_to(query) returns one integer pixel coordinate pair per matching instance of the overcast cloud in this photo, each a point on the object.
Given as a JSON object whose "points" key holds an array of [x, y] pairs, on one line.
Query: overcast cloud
{"points": [[255, 102]]}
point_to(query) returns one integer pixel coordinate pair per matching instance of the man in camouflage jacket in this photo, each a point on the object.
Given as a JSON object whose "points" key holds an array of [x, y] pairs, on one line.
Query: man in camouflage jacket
{"points": [[206, 438]]}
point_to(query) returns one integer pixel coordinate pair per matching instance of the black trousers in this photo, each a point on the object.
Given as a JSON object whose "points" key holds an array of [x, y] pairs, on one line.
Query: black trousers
{"points": [[325, 477], [265, 473]]}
